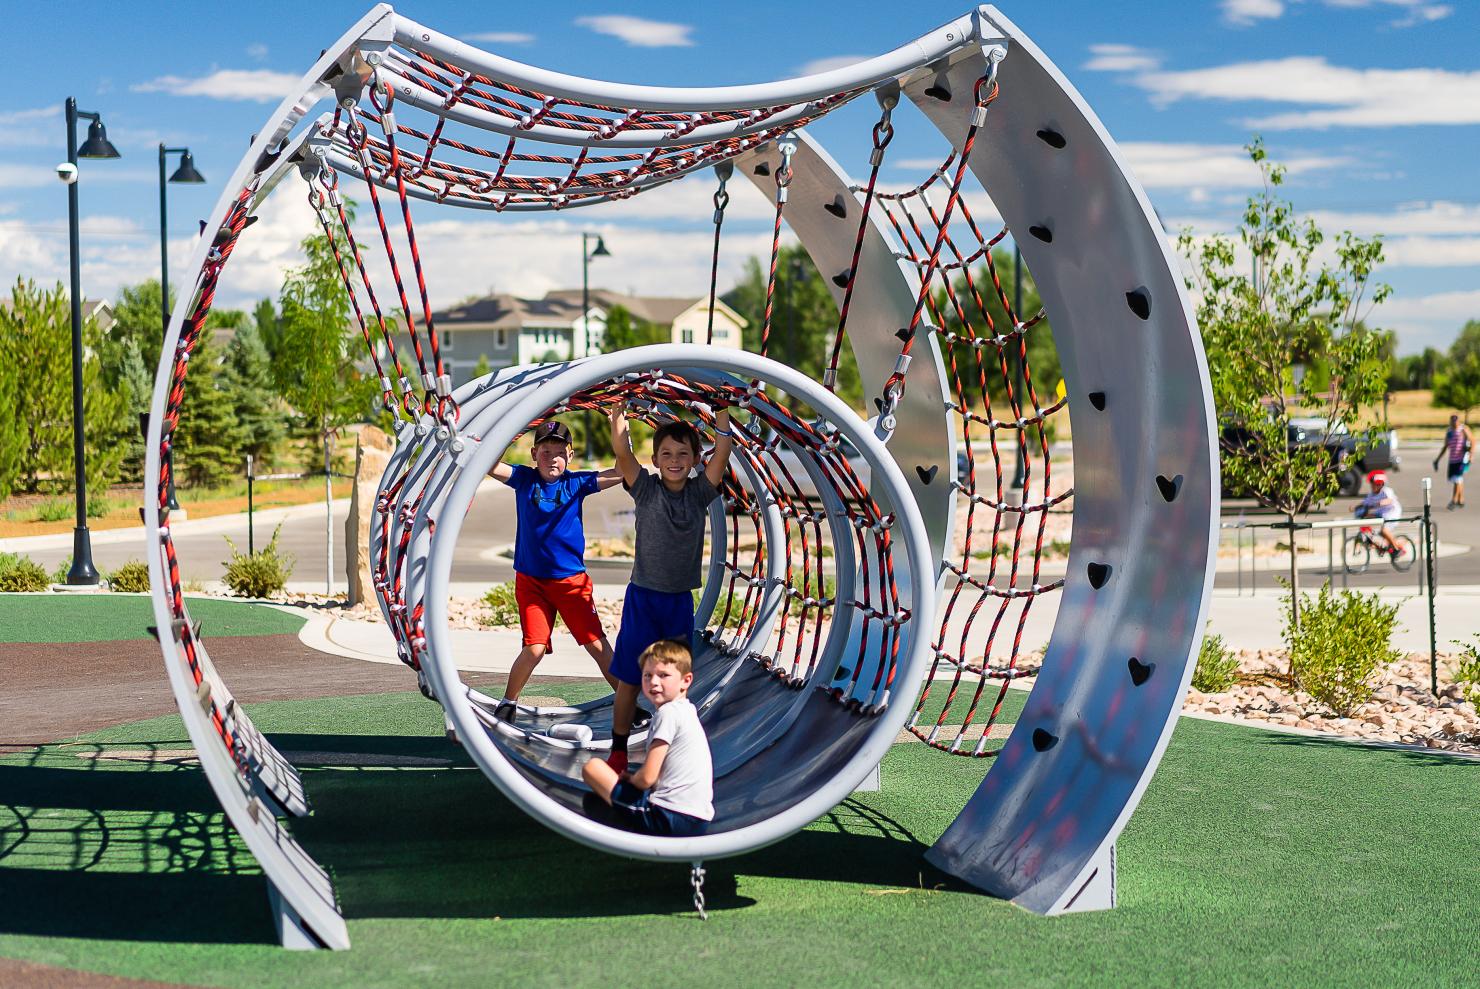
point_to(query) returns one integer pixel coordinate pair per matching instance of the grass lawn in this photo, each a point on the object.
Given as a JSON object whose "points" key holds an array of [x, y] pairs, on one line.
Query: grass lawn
{"points": [[112, 617], [1256, 859]]}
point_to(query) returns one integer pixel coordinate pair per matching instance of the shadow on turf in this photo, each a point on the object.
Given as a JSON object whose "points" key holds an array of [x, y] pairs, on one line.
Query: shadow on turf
{"points": [[140, 851], [1410, 753]]}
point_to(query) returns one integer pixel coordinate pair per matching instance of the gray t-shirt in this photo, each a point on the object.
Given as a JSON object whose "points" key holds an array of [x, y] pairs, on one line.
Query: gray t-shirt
{"points": [[686, 781], [670, 532]]}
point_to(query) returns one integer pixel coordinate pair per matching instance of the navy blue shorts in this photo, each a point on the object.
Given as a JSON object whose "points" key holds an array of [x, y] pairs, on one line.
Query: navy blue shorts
{"points": [[1457, 470], [630, 810], [648, 616]]}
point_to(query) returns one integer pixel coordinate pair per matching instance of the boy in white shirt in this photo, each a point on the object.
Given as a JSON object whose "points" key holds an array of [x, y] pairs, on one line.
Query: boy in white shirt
{"points": [[673, 793]]}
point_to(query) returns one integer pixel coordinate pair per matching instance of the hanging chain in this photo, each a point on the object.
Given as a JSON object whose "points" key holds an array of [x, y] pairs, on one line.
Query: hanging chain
{"points": [[724, 170], [788, 147], [696, 880]]}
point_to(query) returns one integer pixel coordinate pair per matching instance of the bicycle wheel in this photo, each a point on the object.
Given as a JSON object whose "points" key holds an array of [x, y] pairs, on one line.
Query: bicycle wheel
{"points": [[1405, 562], [1356, 553]]}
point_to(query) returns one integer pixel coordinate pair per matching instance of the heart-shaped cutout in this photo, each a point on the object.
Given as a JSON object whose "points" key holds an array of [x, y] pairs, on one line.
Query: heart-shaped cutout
{"points": [[1043, 741], [1140, 302], [1098, 574], [841, 278], [927, 474], [1097, 399], [1169, 487], [1140, 672], [838, 207], [904, 333]]}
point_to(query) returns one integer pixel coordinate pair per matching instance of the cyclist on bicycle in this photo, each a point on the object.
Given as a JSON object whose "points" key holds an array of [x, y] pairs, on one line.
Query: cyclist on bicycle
{"points": [[1382, 504]]}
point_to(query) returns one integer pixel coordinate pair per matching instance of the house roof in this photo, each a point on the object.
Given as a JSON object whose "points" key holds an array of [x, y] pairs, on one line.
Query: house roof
{"points": [[563, 307]]}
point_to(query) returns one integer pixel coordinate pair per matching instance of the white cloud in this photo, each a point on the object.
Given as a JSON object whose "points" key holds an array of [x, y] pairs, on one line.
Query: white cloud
{"points": [[1121, 58], [1427, 320], [1346, 97], [257, 85], [820, 65], [1243, 13], [1246, 12], [257, 52], [503, 37], [639, 31], [1200, 167], [31, 128], [1410, 219]]}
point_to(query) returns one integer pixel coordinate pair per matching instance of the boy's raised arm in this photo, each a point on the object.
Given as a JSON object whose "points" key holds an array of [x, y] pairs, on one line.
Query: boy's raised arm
{"points": [[627, 466], [501, 471], [724, 442]]}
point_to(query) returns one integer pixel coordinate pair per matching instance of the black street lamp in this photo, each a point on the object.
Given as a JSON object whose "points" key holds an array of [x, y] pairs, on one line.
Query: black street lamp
{"points": [[97, 145], [587, 254], [185, 174]]}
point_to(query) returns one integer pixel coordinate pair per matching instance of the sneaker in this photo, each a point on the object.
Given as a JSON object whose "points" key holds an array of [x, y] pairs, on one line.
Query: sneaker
{"points": [[618, 762], [641, 719], [505, 711]]}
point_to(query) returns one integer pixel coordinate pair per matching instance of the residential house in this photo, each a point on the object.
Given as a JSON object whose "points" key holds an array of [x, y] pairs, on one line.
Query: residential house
{"points": [[508, 330]]}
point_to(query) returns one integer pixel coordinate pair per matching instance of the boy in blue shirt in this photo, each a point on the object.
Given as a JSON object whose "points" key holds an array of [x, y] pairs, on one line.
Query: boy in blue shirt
{"points": [[672, 509], [549, 555]]}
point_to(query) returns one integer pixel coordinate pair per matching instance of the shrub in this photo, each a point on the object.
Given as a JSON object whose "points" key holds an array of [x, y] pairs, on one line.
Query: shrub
{"points": [[1217, 666], [260, 574], [1467, 675], [59, 572], [504, 610], [98, 505], [131, 578], [736, 604], [1343, 640], [55, 510], [21, 573]]}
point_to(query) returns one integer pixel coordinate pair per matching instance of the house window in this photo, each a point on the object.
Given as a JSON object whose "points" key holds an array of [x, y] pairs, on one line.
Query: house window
{"points": [[501, 338], [722, 334], [688, 336], [447, 339]]}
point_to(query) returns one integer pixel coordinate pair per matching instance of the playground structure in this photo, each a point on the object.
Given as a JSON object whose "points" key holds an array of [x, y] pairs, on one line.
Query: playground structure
{"points": [[822, 638]]}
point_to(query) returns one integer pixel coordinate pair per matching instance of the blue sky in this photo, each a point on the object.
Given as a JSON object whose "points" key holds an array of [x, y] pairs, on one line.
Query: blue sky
{"points": [[1374, 105]]}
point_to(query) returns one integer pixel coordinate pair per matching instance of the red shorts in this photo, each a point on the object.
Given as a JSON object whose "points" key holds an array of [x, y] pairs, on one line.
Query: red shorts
{"points": [[541, 599]]}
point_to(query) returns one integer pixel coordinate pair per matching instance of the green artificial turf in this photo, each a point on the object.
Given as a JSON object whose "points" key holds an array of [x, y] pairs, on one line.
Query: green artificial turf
{"points": [[112, 617], [1256, 859]]}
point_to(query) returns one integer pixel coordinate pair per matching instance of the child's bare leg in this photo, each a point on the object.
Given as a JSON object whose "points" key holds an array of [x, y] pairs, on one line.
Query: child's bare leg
{"points": [[601, 651], [623, 708], [600, 777], [529, 657]]}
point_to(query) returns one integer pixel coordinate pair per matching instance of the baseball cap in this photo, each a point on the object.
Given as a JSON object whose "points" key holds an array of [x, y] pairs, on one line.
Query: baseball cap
{"points": [[1377, 477], [551, 429]]}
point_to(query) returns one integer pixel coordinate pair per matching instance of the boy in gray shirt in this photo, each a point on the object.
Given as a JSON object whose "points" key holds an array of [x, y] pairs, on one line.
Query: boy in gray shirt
{"points": [[673, 793], [672, 510]]}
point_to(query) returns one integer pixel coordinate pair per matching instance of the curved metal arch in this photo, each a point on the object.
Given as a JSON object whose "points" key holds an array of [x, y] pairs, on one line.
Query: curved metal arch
{"points": [[1041, 829]]}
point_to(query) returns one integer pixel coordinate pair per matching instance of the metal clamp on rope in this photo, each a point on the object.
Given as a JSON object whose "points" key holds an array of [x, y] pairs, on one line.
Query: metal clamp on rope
{"points": [[444, 386], [428, 382], [887, 407], [902, 364], [830, 379]]}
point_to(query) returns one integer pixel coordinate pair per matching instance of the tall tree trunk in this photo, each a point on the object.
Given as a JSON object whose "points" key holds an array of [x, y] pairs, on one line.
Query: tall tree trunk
{"points": [[328, 520], [1294, 591]]}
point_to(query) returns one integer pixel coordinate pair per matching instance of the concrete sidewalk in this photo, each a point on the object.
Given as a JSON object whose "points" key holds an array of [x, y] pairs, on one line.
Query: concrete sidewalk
{"points": [[1247, 622]]}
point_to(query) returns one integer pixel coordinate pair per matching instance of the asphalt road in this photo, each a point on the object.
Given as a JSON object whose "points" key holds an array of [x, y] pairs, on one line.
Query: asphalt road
{"points": [[490, 527]]}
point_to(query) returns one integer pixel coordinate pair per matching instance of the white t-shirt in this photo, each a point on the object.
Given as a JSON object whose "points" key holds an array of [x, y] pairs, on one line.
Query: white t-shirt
{"points": [[1372, 506], [686, 781]]}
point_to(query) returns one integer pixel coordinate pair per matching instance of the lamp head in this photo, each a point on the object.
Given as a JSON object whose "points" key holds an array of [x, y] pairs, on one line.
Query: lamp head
{"points": [[186, 172], [600, 250], [97, 144]]}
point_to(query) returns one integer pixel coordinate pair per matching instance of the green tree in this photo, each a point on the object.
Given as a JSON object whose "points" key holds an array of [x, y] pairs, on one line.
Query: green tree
{"points": [[246, 378], [1417, 370], [804, 318], [12, 438], [1467, 344], [1293, 309], [314, 359], [483, 368], [209, 439], [1459, 387], [269, 330], [624, 330], [36, 345]]}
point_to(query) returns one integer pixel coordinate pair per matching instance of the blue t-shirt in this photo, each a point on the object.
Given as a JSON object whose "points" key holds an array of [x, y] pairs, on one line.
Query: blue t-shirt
{"points": [[550, 542]]}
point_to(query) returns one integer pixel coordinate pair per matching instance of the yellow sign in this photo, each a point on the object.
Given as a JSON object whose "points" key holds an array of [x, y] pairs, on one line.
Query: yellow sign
{"points": [[1059, 390]]}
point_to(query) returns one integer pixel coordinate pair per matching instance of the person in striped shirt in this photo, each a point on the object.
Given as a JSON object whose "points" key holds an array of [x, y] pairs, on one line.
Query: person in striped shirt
{"points": [[1457, 445]]}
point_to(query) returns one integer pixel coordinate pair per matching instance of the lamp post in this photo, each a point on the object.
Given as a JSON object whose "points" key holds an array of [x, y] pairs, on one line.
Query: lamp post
{"points": [[185, 174], [587, 254], [97, 145]]}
